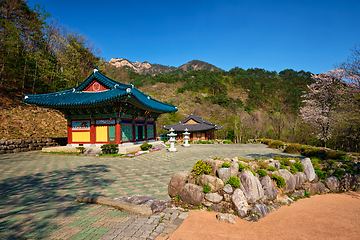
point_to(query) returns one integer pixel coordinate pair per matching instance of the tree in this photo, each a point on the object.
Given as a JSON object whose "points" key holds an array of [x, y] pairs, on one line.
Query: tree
{"points": [[351, 66], [321, 103]]}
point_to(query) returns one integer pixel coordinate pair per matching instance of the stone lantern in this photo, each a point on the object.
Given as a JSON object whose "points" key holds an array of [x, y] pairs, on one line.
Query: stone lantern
{"points": [[186, 138], [172, 140]]}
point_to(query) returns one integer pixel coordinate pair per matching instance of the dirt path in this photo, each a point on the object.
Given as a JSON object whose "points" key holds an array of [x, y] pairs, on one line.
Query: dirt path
{"points": [[330, 216]]}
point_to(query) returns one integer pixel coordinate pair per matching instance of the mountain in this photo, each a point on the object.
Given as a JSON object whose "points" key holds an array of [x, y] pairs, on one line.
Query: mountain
{"points": [[153, 69]]}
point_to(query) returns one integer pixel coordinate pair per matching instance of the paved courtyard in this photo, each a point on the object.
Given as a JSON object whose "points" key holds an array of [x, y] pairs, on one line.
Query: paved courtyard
{"points": [[37, 191]]}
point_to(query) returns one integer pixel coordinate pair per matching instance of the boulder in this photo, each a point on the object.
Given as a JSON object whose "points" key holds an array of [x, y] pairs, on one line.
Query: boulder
{"points": [[275, 206], [269, 189], [192, 194], [227, 197], [308, 169], [216, 208], [348, 182], [239, 203], [224, 174], [300, 178], [300, 193], [234, 169], [228, 189], [177, 183], [314, 188], [213, 197], [214, 182], [225, 217], [289, 179], [261, 209], [274, 163], [286, 200], [250, 186]]}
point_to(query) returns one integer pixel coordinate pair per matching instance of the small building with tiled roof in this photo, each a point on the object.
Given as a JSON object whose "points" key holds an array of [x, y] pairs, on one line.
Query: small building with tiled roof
{"points": [[199, 128], [101, 110]]}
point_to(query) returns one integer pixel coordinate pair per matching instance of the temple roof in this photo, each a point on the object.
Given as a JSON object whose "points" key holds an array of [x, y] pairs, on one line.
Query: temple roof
{"points": [[111, 91], [193, 124]]}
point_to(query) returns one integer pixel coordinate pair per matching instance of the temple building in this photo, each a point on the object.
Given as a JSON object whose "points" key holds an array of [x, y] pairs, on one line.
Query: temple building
{"points": [[199, 128], [101, 110]]}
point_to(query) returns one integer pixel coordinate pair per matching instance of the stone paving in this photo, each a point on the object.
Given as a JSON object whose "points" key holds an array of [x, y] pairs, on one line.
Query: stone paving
{"points": [[37, 191]]}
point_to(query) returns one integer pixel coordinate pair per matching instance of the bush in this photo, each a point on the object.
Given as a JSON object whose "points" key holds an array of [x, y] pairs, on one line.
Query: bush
{"points": [[320, 174], [280, 181], [145, 146], [262, 173], [263, 165], [206, 188], [285, 162], [109, 148], [283, 167], [276, 144], [201, 167], [81, 149], [299, 166], [226, 165], [293, 148], [335, 154], [293, 169], [307, 194], [338, 173], [241, 166], [227, 142], [234, 182], [271, 168]]}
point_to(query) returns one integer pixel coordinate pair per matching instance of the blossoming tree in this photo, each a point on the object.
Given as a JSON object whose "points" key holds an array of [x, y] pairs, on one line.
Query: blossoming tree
{"points": [[321, 103]]}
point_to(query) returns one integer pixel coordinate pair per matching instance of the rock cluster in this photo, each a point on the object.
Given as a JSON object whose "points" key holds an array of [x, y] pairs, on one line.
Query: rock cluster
{"points": [[25, 145], [256, 197]]}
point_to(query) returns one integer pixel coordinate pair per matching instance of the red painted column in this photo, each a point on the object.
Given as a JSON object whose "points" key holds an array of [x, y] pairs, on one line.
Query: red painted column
{"points": [[118, 133], [69, 134], [92, 134]]}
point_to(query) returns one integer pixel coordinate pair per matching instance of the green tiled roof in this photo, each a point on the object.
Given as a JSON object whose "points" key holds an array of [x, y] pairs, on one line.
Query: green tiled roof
{"points": [[76, 97]]}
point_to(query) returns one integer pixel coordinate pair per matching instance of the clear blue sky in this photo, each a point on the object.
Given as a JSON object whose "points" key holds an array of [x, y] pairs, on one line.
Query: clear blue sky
{"points": [[275, 35]]}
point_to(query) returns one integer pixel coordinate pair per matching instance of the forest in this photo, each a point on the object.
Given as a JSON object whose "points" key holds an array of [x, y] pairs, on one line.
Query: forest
{"points": [[40, 56]]}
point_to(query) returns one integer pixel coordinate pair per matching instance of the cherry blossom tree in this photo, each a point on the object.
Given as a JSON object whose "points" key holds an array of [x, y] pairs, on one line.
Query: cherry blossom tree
{"points": [[321, 102]]}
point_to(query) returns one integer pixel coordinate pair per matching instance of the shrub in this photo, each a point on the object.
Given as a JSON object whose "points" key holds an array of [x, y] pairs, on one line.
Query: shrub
{"points": [[263, 165], [276, 144], [145, 146], [81, 149], [271, 168], [299, 166], [234, 182], [315, 161], [226, 165], [325, 169], [201, 167], [206, 188], [293, 148], [338, 173], [280, 181], [262, 173], [109, 148], [283, 167], [241, 166], [320, 174], [293, 169], [334, 154], [285, 162], [307, 194], [227, 142]]}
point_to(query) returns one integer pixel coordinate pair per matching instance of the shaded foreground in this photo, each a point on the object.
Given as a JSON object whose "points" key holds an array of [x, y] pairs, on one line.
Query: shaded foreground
{"points": [[330, 216]]}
